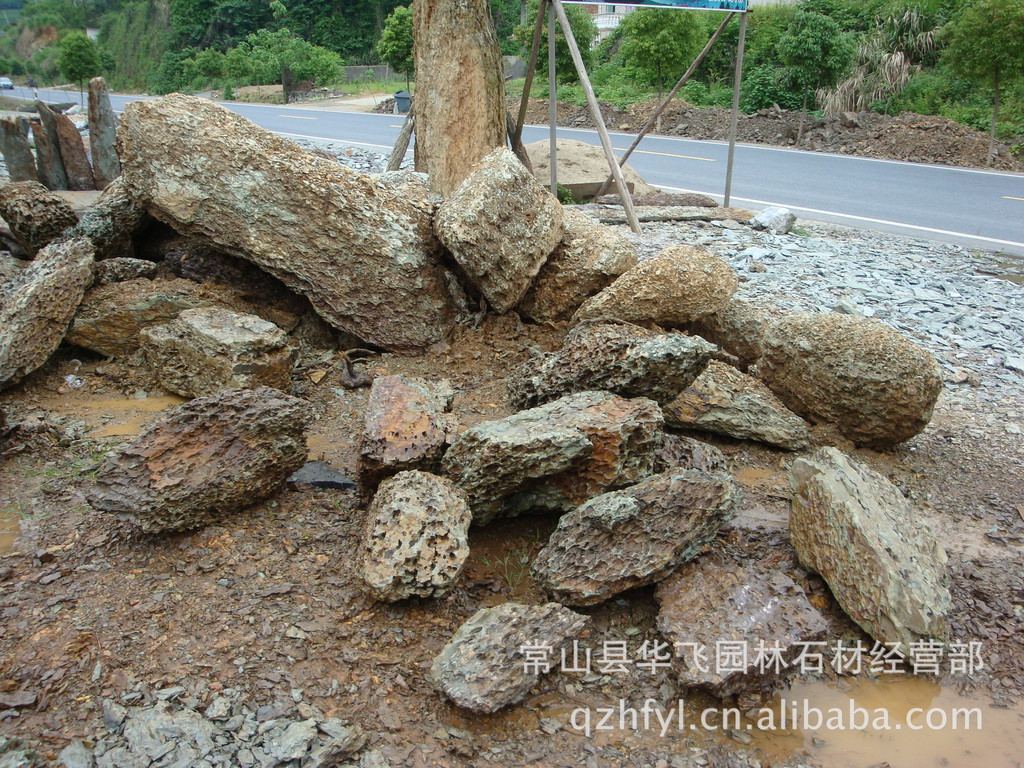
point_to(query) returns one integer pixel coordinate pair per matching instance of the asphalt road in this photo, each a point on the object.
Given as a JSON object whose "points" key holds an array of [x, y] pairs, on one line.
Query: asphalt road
{"points": [[975, 208]]}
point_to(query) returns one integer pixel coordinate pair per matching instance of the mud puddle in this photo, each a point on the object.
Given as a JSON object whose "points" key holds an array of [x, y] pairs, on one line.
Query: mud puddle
{"points": [[9, 528], [124, 417], [1006, 268]]}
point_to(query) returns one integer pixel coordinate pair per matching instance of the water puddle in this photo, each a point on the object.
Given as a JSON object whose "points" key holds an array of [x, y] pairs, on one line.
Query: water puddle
{"points": [[1005, 268], [125, 416]]}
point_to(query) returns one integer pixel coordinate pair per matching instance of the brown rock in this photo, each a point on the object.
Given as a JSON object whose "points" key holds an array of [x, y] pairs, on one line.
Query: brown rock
{"points": [[72, 154], [49, 165], [112, 222], [211, 457], [681, 452], [738, 328], [21, 164], [35, 215], [405, 427], [365, 256], [120, 270]]}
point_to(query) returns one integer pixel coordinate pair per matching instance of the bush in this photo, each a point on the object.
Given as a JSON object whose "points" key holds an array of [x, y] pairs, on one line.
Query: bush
{"points": [[763, 87]]}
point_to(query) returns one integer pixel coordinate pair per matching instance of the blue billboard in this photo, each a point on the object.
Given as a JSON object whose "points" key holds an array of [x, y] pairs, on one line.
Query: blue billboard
{"points": [[700, 5]]}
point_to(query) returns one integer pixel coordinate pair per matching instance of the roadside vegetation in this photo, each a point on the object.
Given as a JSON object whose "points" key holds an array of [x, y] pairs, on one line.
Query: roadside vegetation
{"points": [[960, 59]]}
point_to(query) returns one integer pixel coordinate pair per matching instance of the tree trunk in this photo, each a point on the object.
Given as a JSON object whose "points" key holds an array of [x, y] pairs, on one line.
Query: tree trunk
{"points": [[995, 119], [803, 116], [522, 11], [460, 92]]}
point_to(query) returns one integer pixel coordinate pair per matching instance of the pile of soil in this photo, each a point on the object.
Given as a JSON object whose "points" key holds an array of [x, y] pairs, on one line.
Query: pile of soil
{"points": [[909, 137]]}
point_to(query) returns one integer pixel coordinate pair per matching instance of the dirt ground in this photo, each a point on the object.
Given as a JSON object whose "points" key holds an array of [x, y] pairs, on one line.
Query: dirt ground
{"points": [[267, 601], [909, 137]]}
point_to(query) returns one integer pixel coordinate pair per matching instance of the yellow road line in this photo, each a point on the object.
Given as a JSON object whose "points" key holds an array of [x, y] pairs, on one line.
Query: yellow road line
{"points": [[298, 117], [667, 154], [1010, 197]]}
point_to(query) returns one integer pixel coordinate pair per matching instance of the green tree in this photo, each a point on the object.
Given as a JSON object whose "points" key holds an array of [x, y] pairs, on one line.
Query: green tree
{"points": [[395, 44], [660, 43], [986, 41], [816, 54], [583, 29], [79, 58]]}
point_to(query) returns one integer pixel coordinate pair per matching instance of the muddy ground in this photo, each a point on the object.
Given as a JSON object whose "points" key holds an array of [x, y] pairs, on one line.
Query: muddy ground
{"points": [[268, 603]]}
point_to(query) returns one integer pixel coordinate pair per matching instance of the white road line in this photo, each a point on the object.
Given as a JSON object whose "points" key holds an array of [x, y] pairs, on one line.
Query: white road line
{"points": [[299, 117], [326, 138]]}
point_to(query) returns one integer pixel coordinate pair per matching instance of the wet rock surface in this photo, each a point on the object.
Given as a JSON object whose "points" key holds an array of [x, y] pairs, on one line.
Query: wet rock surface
{"points": [[213, 456], [203, 351], [881, 561], [372, 271], [679, 285], [716, 599], [482, 668], [500, 225], [555, 456], [633, 537], [38, 304], [615, 357], [873, 383], [35, 215], [405, 427], [727, 402], [589, 258], [416, 540]]}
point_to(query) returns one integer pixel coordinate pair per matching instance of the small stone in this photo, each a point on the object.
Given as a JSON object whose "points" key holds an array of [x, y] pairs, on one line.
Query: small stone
{"points": [[76, 755], [291, 742], [778, 221]]}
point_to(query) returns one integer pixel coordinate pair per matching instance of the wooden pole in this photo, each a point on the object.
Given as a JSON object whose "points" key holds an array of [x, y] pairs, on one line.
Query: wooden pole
{"points": [[552, 103], [735, 108], [401, 143], [531, 68], [668, 99], [517, 144], [602, 131]]}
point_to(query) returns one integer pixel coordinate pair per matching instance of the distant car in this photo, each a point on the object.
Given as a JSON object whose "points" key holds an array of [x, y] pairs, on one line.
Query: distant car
{"points": [[6, 83]]}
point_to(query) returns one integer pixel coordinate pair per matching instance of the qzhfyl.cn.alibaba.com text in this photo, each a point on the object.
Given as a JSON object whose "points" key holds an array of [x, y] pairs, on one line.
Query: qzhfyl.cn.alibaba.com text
{"points": [[788, 716]]}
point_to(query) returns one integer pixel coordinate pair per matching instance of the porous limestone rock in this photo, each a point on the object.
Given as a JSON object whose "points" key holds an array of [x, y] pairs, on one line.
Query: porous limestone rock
{"points": [[738, 328], [588, 259], [633, 537], [679, 285], [556, 456], [716, 599], [112, 221], [616, 357], [486, 665], [119, 270], [203, 351], [416, 541], [881, 561], [727, 402], [500, 225], [10, 268], [682, 452], [364, 255], [37, 305], [873, 383], [405, 427], [211, 457], [35, 215]]}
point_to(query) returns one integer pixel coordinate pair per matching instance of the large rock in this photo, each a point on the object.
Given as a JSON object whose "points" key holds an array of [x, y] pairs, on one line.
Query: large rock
{"points": [[365, 256], [405, 427], [718, 600], [49, 166], [203, 351], [10, 268], [682, 452], [72, 153], [776, 220], [417, 537], [500, 226], [488, 665], [588, 259], [112, 221], [37, 305], [616, 357], [35, 215], [633, 537], [738, 328], [679, 285], [120, 270], [580, 163], [106, 166], [724, 401], [556, 456], [21, 164], [211, 457], [881, 561], [875, 385]]}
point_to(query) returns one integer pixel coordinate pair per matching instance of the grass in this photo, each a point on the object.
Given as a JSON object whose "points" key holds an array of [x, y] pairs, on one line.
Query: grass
{"points": [[513, 567]]}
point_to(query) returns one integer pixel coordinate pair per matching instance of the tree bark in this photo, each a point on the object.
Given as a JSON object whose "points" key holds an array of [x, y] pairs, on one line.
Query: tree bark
{"points": [[460, 91]]}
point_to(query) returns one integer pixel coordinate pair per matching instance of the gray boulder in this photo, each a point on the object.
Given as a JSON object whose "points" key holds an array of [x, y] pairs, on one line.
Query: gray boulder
{"points": [[38, 304], [738, 328], [500, 225], [633, 537], [364, 255], [416, 541], [716, 599], [485, 666], [556, 456], [49, 166], [18, 157], [727, 402], [881, 561], [873, 383], [35, 215], [211, 457], [679, 285], [776, 220], [120, 270], [106, 166], [203, 351], [616, 357]]}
